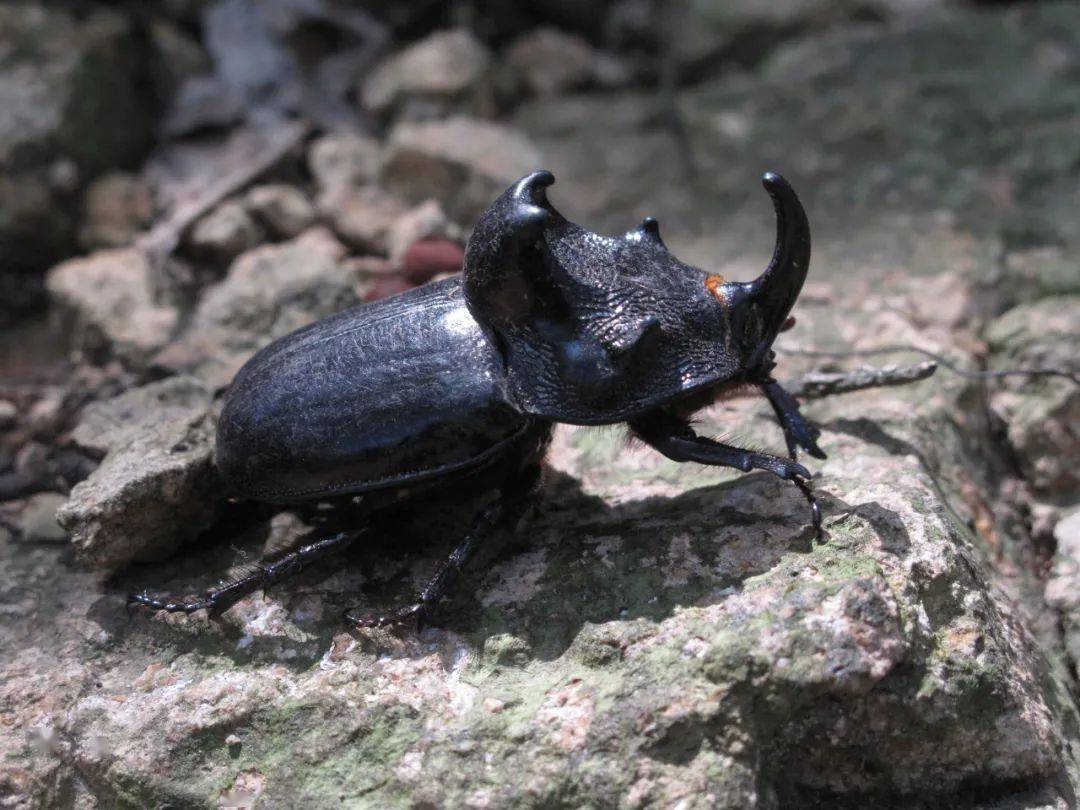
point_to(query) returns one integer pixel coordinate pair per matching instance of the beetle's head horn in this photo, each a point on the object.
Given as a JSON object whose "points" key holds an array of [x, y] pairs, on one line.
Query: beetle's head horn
{"points": [[767, 301], [500, 265]]}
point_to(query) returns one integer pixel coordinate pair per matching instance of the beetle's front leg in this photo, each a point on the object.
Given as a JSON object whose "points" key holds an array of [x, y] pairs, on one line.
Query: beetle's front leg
{"points": [[676, 439], [503, 513], [797, 431]]}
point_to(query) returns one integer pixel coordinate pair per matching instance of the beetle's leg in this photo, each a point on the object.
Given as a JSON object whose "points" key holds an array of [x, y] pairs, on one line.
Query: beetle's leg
{"points": [[503, 513], [262, 576], [676, 439], [797, 431]]}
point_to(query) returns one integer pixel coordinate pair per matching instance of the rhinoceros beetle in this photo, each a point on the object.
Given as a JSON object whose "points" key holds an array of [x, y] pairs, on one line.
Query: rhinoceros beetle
{"points": [[463, 379]]}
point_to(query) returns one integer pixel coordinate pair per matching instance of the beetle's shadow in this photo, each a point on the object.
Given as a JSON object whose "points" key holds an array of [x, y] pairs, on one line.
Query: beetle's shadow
{"points": [[584, 561], [577, 560]]}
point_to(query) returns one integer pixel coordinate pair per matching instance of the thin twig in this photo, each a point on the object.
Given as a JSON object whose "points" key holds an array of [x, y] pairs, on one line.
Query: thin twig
{"points": [[160, 241], [945, 362], [818, 384]]}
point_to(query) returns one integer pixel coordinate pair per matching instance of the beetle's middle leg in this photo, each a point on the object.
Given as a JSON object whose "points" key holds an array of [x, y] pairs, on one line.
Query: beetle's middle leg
{"points": [[503, 513], [675, 438], [262, 576]]}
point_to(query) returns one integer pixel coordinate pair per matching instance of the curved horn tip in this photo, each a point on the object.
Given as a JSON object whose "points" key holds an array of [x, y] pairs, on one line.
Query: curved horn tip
{"points": [[532, 185], [772, 180]]}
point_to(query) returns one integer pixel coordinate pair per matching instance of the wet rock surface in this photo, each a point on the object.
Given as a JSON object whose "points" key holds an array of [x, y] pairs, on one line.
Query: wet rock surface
{"points": [[654, 634]]}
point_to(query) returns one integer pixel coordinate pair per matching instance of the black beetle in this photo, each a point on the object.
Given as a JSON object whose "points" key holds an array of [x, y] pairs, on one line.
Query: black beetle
{"points": [[465, 378]]}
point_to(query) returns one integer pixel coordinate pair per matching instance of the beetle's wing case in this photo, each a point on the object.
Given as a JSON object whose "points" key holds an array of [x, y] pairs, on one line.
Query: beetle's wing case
{"points": [[385, 394]]}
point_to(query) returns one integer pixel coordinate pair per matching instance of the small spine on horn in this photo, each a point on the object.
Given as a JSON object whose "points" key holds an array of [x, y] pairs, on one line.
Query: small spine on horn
{"points": [[647, 231]]}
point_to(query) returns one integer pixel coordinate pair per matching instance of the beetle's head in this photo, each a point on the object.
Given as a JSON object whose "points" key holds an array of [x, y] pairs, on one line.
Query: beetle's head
{"points": [[597, 329]]}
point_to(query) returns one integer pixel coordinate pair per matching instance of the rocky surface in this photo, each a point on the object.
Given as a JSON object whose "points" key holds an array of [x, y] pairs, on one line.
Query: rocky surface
{"points": [[654, 634], [462, 163], [156, 486], [446, 72], [112, 300], [72, 107], [268, 292]]}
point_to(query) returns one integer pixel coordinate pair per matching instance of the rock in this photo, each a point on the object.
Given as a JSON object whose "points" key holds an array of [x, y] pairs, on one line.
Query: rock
{"points": [[431, 257], [178, 57], [447, 71], [69, 88], [201, 103], [157, 485], [1041, 415], [748, 28], [282, 208], [343, 161], [267, 292], [8, 414], [225, 232], [112, 299], [37, 518], [673, 630], [117, 206], [424, 221], [551, 62], [364, 217], [118, 422], [1063, 585], [462, 163]]}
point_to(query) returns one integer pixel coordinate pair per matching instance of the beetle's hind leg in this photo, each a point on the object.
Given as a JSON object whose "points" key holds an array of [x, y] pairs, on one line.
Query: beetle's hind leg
{"points": [[261, 576], [503, 513]]}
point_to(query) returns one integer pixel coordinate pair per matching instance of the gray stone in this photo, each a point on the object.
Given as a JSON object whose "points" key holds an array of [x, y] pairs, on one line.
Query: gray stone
{"points": [[1041, 415], [363, 217], [112, 299], [282, 208], [1063, 585], [462, 163], [342, 161], [178, 57], [37, 518], [446, 71], [8, 414], [424, 221], [225, 232], [156, 486], [550, 61], [69, 90], [267, 292], [116, 207]]}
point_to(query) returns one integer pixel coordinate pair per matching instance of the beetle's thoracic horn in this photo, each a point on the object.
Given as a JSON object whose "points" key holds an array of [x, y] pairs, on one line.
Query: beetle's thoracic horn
{"points": [[496, 283], [776, 289]]}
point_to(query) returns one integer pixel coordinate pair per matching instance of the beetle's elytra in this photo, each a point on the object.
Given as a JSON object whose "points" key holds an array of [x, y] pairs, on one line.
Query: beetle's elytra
{"points": [[463, 379]]}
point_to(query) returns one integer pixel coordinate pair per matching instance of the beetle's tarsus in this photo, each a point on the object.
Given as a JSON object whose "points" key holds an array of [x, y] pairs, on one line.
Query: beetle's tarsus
{"points": [[815, 508]]}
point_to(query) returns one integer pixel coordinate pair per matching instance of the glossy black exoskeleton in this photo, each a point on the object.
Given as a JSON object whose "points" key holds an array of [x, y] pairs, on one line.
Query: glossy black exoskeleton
{"points": [[464, 378]]}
